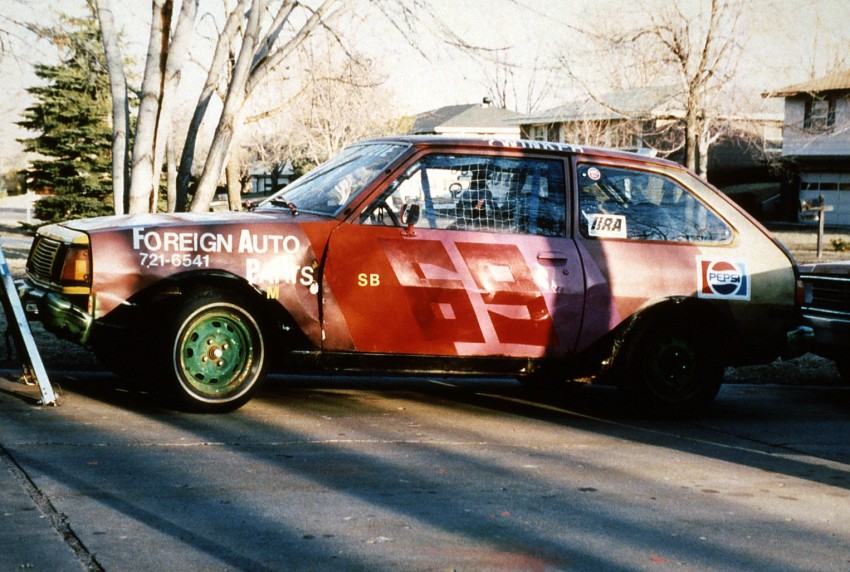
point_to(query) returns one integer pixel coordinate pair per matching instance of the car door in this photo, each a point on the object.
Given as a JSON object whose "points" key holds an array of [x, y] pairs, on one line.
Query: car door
{"points": [[648, 238], [487, 270]]}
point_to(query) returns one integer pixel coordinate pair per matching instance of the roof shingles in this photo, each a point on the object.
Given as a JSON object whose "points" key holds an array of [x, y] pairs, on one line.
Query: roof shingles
{"points": [[839, 81]]}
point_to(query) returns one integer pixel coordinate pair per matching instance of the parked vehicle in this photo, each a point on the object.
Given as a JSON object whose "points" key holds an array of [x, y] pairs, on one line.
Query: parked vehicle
{"points": [[826, 310], [432, 255]]}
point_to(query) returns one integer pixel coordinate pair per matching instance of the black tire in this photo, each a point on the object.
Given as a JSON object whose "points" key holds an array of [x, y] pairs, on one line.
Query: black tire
{"points": [[125, 351], [113, 351], [669, 367], [843, 365], [216, 351]]}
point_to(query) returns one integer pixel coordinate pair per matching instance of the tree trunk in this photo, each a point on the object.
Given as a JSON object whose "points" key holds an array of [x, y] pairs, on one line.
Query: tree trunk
{"points": [[234, 184], [256, 59], [216, 71], [120, 106], [227, 123], [704, 147], [142, 180], [691, 133], [171, 174], [177, 50]]}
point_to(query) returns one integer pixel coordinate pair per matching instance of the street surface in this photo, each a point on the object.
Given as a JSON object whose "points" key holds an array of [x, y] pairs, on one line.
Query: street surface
{"points": [[422, 474]]}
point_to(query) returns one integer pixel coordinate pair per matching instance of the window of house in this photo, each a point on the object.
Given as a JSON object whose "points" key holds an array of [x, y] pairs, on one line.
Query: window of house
{"points": [[637, 205], [820, 114], [538, 132], [831, 184], [261, 183], [772, 139], [478, 193]]}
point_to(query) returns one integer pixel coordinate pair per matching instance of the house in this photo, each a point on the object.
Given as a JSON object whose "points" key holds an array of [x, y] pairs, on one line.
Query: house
{"points": [[475, 120], [649, 120], [816, 143], [265, 181], [620, 119]]}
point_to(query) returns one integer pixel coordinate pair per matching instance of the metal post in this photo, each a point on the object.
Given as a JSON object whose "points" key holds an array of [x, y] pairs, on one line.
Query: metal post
{"points": [[20, 328]]}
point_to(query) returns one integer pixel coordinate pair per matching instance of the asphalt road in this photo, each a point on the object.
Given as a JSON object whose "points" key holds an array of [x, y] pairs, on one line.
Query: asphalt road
{"points": [[423, 474]]}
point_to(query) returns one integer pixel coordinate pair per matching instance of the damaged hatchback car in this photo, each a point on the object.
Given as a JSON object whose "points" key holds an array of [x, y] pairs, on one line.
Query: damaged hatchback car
{"points": [[544, 261]]}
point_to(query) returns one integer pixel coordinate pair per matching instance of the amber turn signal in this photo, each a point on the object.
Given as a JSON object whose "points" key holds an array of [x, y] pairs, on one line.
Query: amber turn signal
{"points": [[77, 266]]}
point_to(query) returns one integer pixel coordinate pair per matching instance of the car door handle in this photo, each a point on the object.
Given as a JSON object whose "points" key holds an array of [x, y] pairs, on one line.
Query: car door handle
{"points": [[552, 257]]}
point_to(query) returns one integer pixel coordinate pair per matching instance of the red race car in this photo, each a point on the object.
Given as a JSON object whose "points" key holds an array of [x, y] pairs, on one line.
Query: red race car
{"points": [[544, 261]]}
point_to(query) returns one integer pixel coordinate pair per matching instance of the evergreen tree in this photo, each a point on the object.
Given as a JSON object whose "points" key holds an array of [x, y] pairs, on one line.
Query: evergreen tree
{"points": [[71, 115]]}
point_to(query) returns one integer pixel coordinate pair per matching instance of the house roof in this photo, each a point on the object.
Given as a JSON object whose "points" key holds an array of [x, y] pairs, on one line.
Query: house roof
{"points": [[476, 117], [839, 81], [619, 104]]}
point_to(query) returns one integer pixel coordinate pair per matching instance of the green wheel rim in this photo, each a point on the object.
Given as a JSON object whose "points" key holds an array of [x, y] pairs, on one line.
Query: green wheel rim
{"points": [[215, 354]]}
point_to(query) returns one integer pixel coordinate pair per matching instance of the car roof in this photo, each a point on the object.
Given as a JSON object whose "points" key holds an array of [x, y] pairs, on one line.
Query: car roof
{"points": [[481, 143]]}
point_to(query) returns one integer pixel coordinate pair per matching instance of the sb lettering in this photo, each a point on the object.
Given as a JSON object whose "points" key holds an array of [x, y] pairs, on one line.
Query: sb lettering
{"points": [[368, 280]]}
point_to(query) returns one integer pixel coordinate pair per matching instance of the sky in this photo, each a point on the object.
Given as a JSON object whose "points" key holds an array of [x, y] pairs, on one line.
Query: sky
{"points": [[785, 42]]}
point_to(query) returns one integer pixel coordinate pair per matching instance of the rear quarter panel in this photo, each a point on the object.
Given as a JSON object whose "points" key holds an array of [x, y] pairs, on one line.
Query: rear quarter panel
{"points": [[625, 277]]}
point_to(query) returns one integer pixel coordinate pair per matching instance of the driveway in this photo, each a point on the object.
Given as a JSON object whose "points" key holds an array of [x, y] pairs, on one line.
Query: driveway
{"points": [[424, 474]]}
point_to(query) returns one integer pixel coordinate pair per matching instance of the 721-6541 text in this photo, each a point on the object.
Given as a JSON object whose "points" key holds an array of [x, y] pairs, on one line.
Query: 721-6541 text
{"points": [[148, 260]]}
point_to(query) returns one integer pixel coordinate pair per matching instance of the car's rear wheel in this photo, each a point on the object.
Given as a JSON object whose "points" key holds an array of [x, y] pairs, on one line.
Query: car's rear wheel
{"points": [[669, 366], [843, 364], [217, 351]]}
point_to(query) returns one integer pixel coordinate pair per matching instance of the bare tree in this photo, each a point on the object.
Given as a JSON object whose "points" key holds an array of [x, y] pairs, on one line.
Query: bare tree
{"points": [[255, 40], [141, 174], [508, 89], [695, 52], [120, 103], [259, 54], [227, 37], [178, 49], [702, 56], [263, 33], [343, 101]]}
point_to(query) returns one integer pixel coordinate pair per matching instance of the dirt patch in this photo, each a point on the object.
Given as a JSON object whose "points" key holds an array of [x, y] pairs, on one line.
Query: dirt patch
{"points": [[58, 354], [802, 241]]}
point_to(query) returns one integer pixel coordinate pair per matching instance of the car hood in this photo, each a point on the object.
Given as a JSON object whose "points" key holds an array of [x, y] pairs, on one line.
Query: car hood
{"points": [[835, 268], [162, 220]]}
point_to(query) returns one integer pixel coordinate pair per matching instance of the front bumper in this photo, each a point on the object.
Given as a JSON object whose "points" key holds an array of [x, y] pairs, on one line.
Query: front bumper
{"points": [[58, 314], [831, 333]]}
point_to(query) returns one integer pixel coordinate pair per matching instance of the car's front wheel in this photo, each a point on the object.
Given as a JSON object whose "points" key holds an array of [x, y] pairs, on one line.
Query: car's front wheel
{"points": [[217, 351]]}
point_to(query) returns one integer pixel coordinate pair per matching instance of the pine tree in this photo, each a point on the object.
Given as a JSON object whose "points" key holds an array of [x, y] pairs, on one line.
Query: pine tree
{"points": [[71, 115]]}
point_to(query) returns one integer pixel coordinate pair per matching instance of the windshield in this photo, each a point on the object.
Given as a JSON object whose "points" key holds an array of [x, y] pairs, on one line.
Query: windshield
{"points": [[329, 187]]}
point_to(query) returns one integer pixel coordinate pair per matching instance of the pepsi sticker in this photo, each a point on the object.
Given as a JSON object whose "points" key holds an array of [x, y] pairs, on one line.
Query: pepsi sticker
{"points": [[723, 279], [594, 174]]}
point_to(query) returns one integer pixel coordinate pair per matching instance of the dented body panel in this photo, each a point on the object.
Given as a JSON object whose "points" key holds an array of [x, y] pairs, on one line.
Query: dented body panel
{"points": [[276, 259]]}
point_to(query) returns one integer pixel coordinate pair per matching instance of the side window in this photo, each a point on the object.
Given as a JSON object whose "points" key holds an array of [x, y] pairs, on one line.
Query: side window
{"points": [[624, 203], [477, 193]]}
